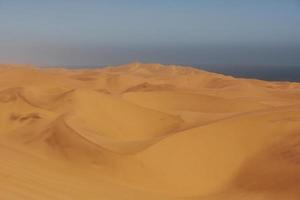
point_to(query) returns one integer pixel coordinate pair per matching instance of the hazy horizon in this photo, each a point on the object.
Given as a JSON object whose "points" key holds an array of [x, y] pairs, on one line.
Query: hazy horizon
{"points": [[91, 32]]}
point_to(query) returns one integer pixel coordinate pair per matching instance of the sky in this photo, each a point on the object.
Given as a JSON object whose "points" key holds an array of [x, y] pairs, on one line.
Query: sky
{"points": [[111, 32]]}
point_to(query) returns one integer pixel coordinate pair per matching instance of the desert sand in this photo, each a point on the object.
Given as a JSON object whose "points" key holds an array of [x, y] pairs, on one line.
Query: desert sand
{"points": [[146, 132]]}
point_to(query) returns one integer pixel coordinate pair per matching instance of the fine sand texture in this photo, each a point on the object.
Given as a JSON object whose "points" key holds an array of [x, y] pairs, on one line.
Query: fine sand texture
{"points": [[146, 132]]}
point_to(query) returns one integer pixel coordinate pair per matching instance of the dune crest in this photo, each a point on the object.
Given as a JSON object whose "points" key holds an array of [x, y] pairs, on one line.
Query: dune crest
{"points": [[146, 131]]}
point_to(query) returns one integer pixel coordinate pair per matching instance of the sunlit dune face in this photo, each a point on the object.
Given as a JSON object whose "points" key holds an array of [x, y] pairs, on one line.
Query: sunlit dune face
{"points": [[146, 131]]}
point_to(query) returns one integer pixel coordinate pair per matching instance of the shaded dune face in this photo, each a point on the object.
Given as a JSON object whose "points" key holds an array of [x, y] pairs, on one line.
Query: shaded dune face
{"points": [[277, 166], [146, 131]]}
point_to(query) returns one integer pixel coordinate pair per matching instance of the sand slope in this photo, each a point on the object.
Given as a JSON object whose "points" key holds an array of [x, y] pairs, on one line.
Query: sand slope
{"points": [[146, 131]]}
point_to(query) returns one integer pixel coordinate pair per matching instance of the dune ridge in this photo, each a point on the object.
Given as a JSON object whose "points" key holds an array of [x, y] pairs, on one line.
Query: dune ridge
{"points": [[146, 131]]}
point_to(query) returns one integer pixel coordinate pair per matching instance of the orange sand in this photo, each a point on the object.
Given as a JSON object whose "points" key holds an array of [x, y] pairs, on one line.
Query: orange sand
{"points": [[146, 132]]}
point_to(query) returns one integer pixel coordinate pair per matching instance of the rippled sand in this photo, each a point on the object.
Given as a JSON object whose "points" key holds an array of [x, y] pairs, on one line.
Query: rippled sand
{"points": [[146, 132]]}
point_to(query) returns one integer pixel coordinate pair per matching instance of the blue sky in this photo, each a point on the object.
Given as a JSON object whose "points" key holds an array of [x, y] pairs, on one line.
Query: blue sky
{"points": [[100, 32]]}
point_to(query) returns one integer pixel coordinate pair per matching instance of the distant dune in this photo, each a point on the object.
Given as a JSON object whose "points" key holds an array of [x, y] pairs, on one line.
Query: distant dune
{"points": [[146, 132]]}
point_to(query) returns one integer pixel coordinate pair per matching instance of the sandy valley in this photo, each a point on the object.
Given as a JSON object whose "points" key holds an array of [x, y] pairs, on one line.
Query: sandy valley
{"points": [[146, 132]]}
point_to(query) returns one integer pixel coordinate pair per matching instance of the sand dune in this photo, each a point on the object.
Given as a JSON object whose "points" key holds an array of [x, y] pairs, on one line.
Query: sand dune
{"points": [[146, 131]]}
